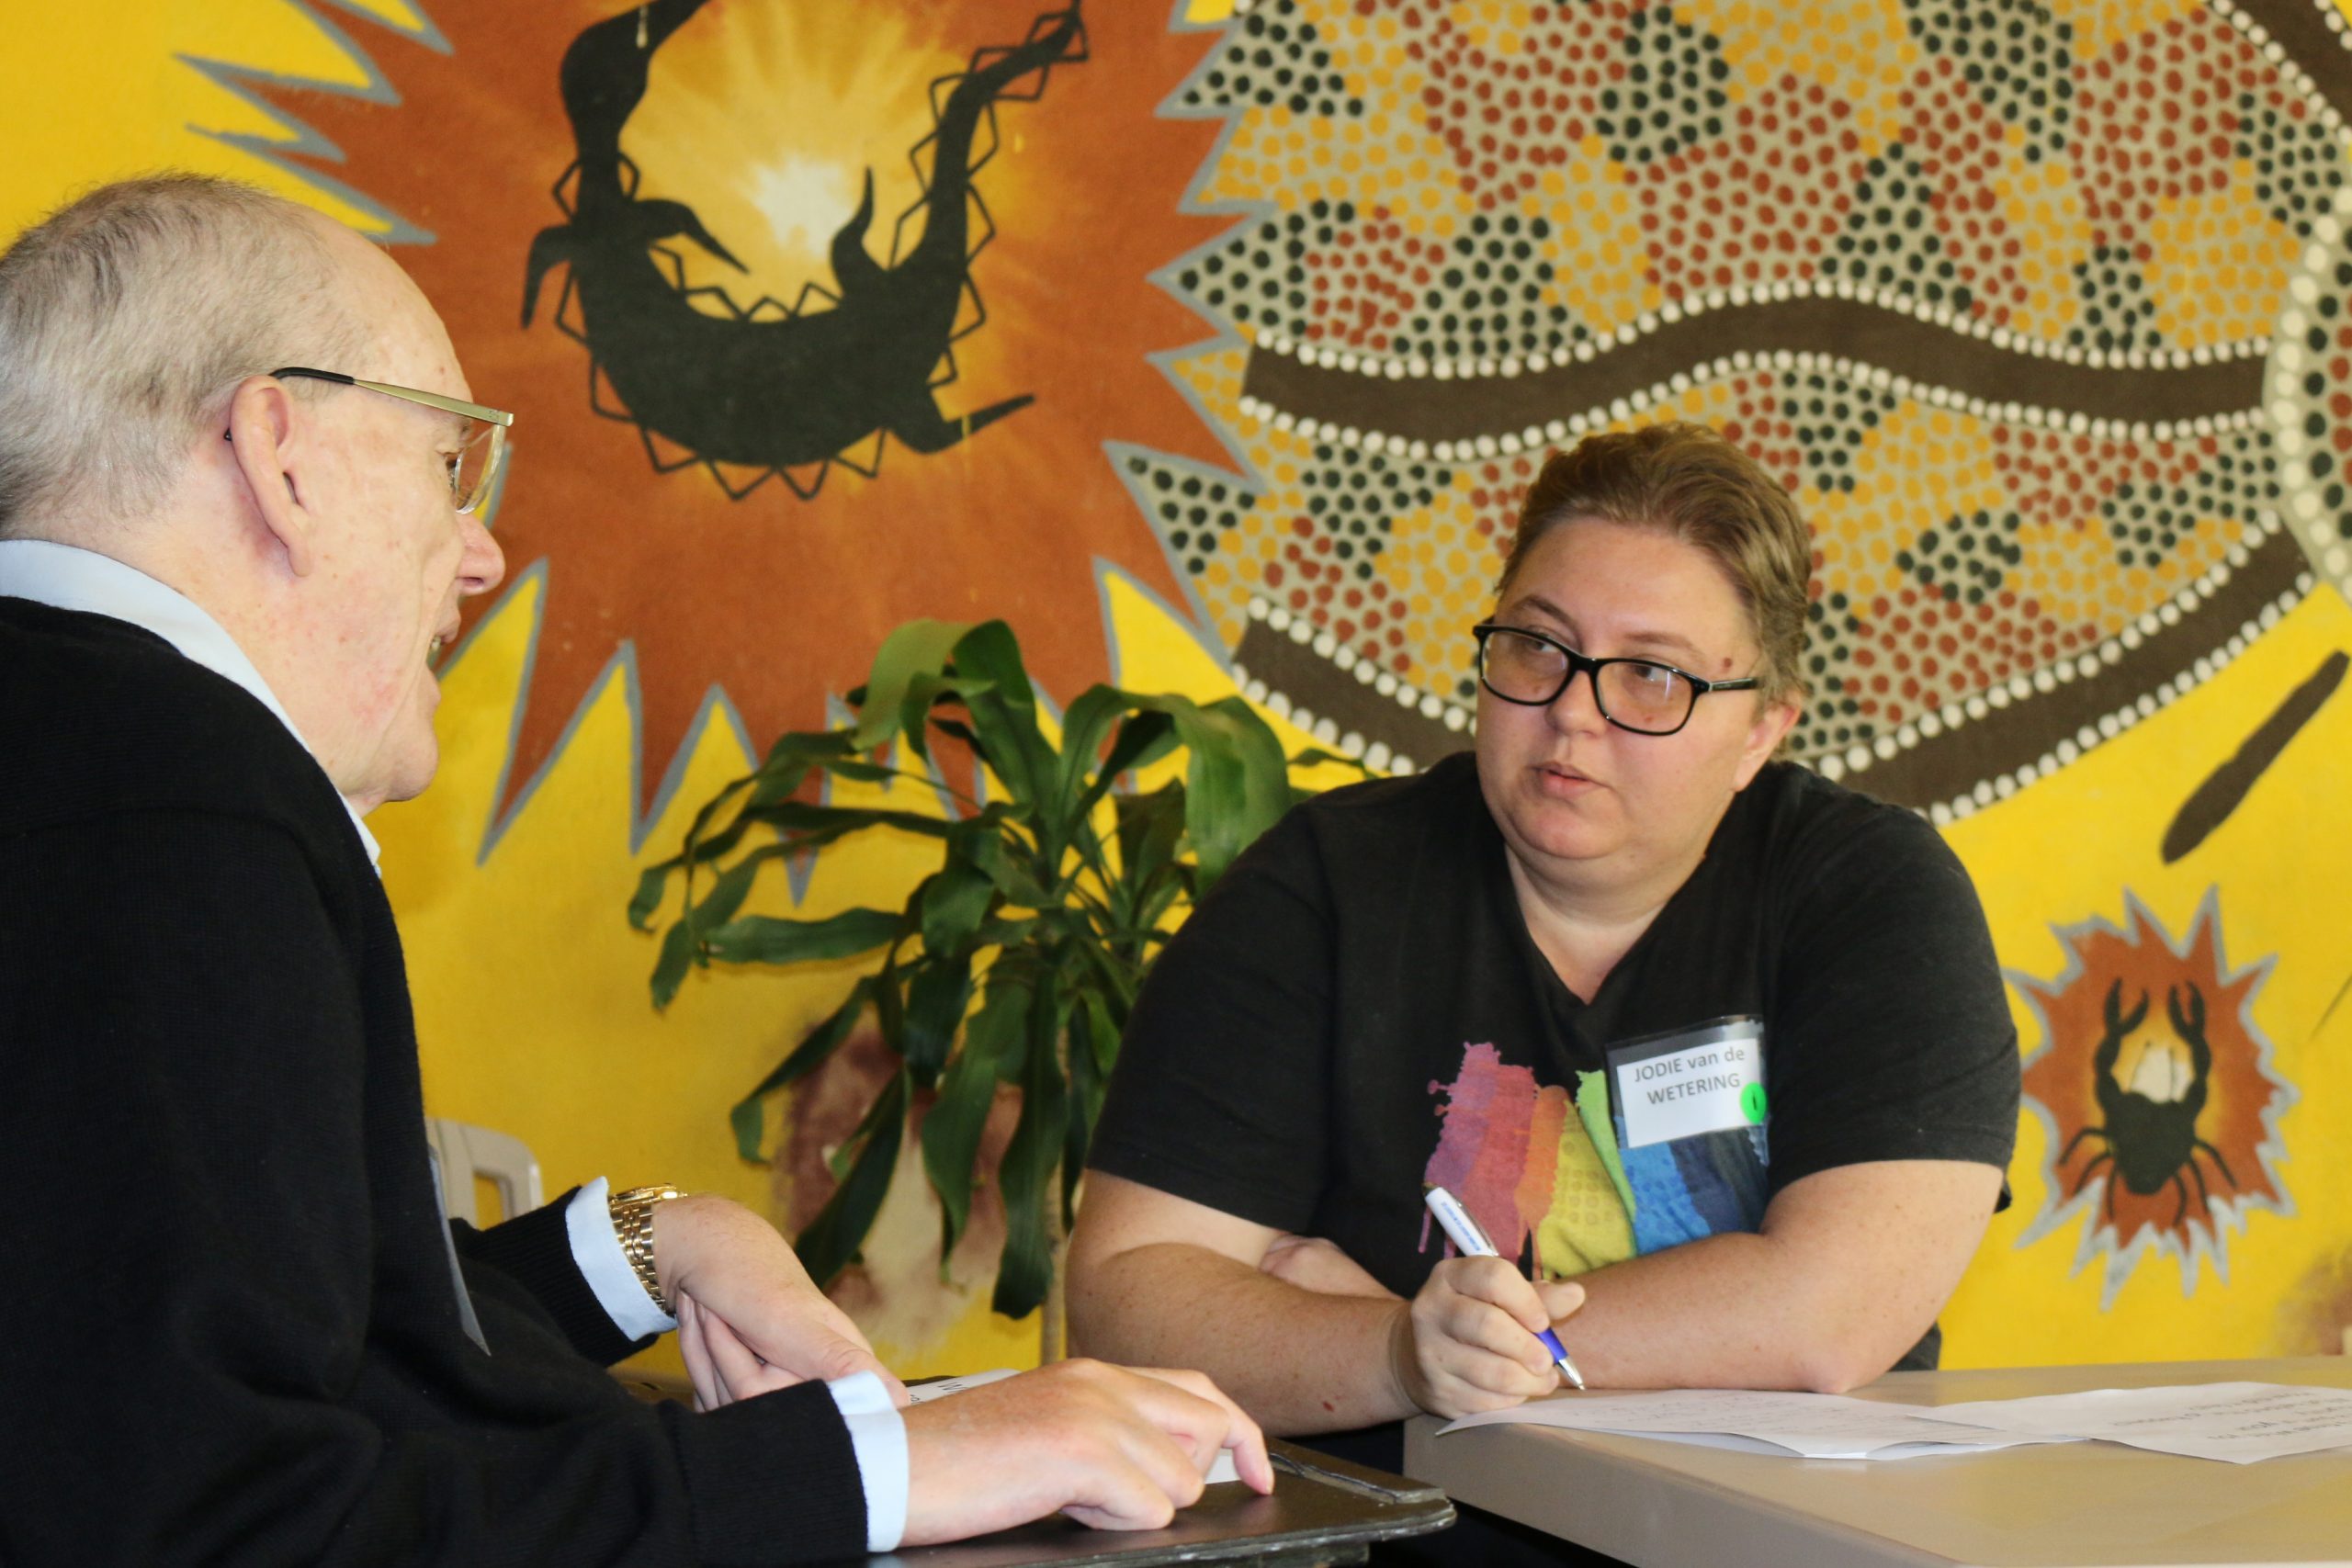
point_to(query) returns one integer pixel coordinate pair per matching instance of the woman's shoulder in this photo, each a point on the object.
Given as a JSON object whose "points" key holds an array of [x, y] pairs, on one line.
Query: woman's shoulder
{"points": [[1444, 796], [1792, 819], [1342, 838]]}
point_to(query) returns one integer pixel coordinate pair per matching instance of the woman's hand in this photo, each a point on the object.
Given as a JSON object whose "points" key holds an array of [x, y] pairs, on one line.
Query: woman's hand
{"points": [[1467, 1341]]}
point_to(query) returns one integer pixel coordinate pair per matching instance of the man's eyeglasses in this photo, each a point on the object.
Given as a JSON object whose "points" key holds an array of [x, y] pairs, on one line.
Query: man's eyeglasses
{"points": [[473, 467], [1639, 694]]}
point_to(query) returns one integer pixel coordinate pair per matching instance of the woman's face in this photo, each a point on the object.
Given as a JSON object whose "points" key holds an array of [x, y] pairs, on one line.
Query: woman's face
{"points": [[1592, 808]]}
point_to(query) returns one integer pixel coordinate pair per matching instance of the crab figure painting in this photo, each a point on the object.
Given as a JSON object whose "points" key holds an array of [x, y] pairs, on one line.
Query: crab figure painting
{"points": [[2149, 1133], [2164, 1123]]}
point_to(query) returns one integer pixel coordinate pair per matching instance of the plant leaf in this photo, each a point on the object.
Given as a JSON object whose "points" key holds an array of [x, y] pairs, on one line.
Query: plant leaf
{"points": [[832, 1240], [746, 1117], [917, 708], [936, 998], [1025, 1267], [1004, 715], [955, 900], [951, 1127], [1093, 1047], [1143, 740], [1315, 757], [918, 648], [1236, 780], [815, 1047], [864, 772], [770, 939], [679, 948]]}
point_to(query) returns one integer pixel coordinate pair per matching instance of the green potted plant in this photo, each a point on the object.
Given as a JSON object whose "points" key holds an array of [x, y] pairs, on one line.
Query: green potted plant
{"points": [[1016, 961]]}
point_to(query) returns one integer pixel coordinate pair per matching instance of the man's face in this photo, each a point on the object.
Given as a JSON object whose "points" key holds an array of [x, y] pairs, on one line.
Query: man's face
{"points": [[394, 555], [1580, 801]]}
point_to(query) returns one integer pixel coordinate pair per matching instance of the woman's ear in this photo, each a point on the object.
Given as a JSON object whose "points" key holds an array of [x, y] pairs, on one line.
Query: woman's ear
{"points": [[1773, 721]]}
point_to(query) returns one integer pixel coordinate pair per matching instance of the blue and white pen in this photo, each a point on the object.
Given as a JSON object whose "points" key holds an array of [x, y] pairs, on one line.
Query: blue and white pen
{"points": [[1471, 1242]]}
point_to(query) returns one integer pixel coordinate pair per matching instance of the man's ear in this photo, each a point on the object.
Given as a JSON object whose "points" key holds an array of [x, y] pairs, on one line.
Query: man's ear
{"points": [[268, 434], [1773, 721]]}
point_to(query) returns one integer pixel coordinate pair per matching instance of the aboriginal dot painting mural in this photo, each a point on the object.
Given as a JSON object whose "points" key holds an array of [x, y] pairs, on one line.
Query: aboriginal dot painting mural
{"points": [[1211, 343]]}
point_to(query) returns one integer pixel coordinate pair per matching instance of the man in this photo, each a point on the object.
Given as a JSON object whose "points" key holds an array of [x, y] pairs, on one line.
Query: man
{"points": [[223, 580]]}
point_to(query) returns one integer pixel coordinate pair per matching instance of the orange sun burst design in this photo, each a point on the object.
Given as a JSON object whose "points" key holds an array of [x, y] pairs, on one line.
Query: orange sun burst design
{"points": [[765, 116], [2157, 1088]]}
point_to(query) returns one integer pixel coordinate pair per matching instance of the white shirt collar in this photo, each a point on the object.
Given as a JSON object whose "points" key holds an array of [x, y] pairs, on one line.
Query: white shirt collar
{"points": [[67, 578]]}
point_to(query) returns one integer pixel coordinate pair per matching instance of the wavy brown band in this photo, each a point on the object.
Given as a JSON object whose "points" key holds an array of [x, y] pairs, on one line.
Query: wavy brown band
{"points": [[1464, 408]]}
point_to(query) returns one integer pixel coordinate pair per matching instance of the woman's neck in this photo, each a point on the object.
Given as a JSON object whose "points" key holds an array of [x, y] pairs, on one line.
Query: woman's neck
{"points": [[1585, 929]]}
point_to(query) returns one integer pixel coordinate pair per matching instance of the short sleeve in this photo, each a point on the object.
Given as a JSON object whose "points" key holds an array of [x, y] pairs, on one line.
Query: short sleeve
{"points": [[1223, 1080], [1890, 1032]]}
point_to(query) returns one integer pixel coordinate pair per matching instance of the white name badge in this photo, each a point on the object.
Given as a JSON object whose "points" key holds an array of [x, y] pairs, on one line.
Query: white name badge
{"points": [[1709, 1079]]}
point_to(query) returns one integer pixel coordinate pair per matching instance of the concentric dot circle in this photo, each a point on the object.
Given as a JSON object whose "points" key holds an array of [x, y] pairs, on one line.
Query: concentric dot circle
{"points": [[2309, 396]]}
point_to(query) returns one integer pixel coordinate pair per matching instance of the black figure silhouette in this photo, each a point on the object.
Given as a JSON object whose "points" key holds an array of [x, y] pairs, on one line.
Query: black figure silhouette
{"points": [[771, 388]]}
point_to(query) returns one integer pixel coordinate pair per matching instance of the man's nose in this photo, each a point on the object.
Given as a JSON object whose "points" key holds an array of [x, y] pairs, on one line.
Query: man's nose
{"points": [[484, 566]]}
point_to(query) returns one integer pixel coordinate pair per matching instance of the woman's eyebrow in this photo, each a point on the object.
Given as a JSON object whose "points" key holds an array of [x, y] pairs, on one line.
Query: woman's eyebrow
{"points": [[1686, 651]]}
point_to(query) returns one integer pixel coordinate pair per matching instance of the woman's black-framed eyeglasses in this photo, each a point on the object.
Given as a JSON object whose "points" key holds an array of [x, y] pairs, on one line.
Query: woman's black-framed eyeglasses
{"points": [[1643, 696]]}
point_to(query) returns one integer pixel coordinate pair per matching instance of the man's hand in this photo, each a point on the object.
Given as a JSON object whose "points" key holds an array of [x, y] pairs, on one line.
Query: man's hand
{"points": [[748, 1318], [1467, 1341], [1113, 1448]]}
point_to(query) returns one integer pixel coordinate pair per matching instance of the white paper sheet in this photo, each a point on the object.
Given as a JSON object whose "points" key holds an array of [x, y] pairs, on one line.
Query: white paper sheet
{"points": [[1811, 1425], [939, 1388], [2239, 1422]]}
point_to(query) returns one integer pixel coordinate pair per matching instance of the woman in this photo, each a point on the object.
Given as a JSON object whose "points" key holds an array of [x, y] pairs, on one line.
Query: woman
{"points": [[1717, 1048]]}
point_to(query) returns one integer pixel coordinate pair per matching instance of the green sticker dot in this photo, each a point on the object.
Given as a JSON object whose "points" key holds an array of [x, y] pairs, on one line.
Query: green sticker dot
{"points": [[1751, 1103]]}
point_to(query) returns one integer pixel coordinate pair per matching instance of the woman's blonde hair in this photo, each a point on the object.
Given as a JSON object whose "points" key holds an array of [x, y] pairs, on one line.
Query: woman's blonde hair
{"points": [[1688, 482]]}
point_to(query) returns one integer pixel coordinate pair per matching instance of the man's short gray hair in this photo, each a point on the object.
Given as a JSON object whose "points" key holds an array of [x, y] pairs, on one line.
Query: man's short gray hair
{"points": [[128, 318]]}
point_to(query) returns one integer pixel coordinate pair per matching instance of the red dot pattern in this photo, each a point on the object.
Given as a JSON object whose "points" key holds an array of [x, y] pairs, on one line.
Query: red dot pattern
{"points": [[1310, 580], [2059, 477], [1504, 118], [1760, 426], [1757, 205], [1495, 491], [1922, 641], [1367, 283], [2155, 121], [1958, 140]]}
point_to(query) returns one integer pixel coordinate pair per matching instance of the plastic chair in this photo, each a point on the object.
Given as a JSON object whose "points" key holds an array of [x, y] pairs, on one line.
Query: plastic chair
{"points": [[467, 1152]]}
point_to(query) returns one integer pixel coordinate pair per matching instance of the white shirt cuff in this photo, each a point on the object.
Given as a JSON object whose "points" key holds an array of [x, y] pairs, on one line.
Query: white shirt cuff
{"points": [[596, 1247], [878, 1435]]}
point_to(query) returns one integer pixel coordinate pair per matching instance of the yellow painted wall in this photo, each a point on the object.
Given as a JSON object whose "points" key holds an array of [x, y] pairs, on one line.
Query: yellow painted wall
{"points": [[531, 989]]}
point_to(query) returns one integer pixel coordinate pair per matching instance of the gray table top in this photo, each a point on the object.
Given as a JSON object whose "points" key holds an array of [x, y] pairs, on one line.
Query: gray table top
{"points": [[1663, 1504]]}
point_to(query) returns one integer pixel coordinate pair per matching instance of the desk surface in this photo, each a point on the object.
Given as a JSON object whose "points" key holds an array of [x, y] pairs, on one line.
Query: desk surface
{"points": [[1661, 1505]]}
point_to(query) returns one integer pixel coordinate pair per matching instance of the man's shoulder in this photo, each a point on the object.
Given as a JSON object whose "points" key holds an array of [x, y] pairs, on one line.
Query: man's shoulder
{"points": [[106, 716]]}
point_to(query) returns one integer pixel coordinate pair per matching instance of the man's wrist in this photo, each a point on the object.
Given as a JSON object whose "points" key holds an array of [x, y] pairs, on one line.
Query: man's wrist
{"points": [[633, 1224], [596, 1251]]}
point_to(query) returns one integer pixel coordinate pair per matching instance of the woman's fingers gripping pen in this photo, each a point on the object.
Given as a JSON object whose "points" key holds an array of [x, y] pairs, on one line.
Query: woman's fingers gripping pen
{"points": [[1471, 1242]]}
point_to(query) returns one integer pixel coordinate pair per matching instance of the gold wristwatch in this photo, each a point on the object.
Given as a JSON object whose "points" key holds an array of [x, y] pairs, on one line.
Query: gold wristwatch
{"points": [[633, 1223]]}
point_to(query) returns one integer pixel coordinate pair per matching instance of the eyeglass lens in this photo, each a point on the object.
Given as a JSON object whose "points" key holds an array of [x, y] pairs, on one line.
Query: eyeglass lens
{"points": [[1632, 693], [475, 467]]}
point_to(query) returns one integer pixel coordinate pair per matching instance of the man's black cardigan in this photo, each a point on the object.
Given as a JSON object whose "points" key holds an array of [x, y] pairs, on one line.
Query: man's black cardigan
{"points": [[237, 1339]]}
